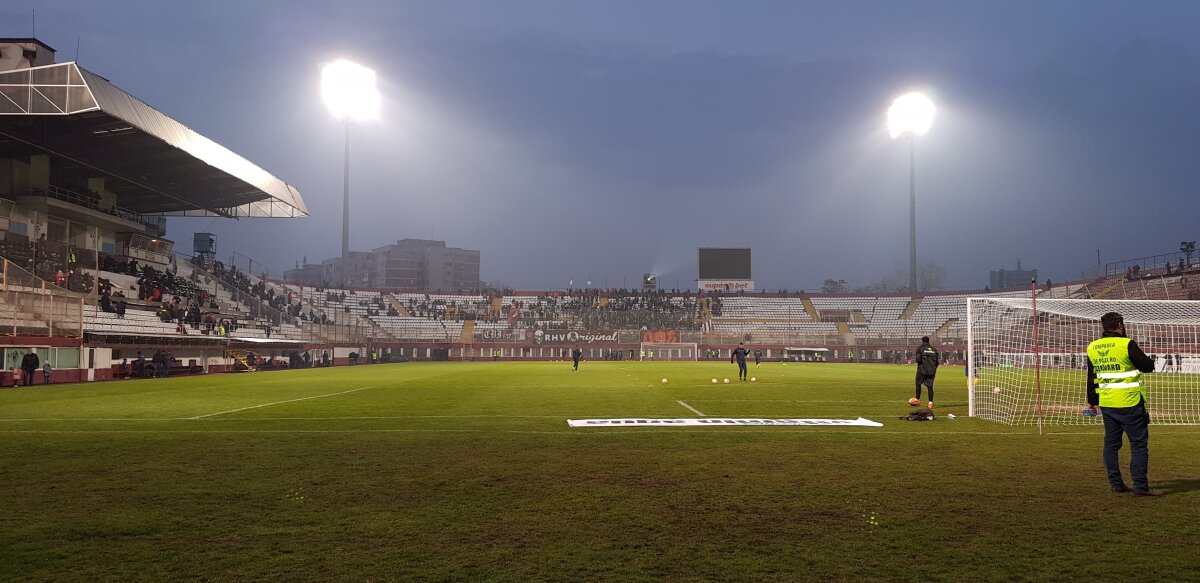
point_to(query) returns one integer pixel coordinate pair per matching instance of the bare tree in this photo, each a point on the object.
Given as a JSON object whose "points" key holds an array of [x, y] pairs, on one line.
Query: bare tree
{"points": [[835, 286], [930, 277]]}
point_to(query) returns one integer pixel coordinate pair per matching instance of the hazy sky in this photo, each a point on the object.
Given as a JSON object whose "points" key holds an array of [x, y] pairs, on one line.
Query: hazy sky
{"points": [[599, 140]]}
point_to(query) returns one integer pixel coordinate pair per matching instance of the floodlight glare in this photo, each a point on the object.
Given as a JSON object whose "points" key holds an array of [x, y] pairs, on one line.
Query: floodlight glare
{"points": [[349, 90], [911, 113]]}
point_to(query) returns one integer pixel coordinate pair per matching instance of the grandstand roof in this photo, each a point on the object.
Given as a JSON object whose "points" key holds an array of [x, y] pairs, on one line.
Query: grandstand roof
{"points": [[93, 128]]}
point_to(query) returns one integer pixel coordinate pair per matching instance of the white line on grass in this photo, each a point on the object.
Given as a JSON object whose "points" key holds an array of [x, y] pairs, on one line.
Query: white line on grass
{"points": [[690, 408], [278, 403]]}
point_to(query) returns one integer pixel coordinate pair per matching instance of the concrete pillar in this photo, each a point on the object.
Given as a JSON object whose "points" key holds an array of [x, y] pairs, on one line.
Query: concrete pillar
{"points": [[39, 172]]}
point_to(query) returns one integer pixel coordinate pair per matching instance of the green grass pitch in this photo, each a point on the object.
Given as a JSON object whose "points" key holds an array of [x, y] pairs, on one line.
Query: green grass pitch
{"points": [[468, 471]]}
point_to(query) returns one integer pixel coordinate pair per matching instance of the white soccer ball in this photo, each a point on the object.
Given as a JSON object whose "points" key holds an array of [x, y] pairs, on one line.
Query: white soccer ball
{"points": [[664, 380], [996, 390], [714, 381], [752, 379], [727, 381]]}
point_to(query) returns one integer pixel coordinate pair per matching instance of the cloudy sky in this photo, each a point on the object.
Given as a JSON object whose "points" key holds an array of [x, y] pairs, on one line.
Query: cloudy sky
{"points": [[600, 140]]}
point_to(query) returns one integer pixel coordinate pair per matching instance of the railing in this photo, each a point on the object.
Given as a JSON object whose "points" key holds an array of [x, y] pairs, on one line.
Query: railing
{"points": [[29, 306], [90, 201], [255, 306], [1164, 261]]}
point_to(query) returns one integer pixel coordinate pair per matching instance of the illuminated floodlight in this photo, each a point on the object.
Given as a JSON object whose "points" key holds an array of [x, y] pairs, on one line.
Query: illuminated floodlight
{"points": [[911, 113], [349, 91]]}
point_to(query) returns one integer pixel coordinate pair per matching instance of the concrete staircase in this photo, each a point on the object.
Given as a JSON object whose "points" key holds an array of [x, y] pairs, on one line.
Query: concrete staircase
{"points": [[847, 336], [395, 303], [811, 310], [468, 332], [910, 309], [944, 327]]}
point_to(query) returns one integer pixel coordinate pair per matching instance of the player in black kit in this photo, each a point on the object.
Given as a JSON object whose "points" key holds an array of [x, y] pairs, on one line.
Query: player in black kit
{"points": [[739, 354]]}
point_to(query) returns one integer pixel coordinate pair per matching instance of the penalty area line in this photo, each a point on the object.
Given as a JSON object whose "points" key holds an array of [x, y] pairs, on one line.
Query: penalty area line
{"points": [[691, 408], [276, 403]]}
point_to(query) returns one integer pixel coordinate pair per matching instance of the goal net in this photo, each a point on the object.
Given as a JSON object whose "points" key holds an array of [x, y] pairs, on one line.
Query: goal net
{"points": [[1006, 368], [668, 351]]}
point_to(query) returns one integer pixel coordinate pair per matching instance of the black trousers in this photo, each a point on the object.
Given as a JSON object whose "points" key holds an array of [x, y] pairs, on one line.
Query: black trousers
{"points": [[741, 369], [1134, 422], [926, 380]]}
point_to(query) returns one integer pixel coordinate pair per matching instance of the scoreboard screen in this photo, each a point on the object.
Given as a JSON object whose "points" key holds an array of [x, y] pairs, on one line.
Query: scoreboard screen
{"points": [[725, 263]]}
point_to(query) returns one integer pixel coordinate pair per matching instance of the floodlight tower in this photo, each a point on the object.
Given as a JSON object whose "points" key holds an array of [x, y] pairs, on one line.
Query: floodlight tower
{"points": [[350, 94], [911, 115]]}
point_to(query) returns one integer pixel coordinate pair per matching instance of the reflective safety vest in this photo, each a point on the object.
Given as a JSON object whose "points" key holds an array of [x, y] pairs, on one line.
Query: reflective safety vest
{"points": [[1119, 383]]}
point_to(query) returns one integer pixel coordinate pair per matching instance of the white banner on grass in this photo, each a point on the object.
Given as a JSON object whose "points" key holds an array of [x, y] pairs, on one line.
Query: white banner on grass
{"points": [[721, 422]]}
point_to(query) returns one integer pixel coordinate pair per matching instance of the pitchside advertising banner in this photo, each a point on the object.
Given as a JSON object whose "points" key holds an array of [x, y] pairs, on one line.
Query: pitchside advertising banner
{"points": [[726, 285], [573, 336], [722, 422]]}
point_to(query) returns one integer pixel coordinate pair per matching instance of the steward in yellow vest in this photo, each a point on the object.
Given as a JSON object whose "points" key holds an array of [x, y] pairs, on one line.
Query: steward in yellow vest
{"points": [[1115, 388]]}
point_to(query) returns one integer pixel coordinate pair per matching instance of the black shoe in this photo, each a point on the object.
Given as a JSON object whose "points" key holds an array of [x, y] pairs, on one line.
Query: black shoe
{"points": [[1120, 489], [1146, 492]]}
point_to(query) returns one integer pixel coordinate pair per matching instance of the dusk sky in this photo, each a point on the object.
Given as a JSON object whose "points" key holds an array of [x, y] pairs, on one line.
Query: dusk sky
{"points": [[600, 140]]}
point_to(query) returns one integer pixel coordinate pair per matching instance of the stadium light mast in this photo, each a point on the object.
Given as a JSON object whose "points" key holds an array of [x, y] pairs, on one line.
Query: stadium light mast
{"points": [[911, 115], [350, 94]]}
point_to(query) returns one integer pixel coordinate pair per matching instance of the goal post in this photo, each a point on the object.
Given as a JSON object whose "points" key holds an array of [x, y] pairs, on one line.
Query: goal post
{"points": [[1004, 364], [668, 351]]}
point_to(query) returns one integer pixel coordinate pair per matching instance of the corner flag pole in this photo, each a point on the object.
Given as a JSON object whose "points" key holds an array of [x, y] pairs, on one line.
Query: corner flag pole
{"points": [[1037, 359]]}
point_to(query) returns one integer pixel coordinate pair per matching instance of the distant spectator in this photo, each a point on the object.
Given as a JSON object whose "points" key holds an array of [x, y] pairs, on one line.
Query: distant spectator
{"points": [[30, 363], [47, 371]]}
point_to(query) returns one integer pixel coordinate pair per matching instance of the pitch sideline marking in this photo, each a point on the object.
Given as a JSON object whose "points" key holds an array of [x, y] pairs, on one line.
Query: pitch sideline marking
{"points": [[691, 408], [278, 403]]}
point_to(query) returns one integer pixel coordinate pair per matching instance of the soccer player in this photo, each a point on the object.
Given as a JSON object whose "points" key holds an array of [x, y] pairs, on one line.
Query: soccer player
{"points": [[1167, 362], [757, 357], [926, 358], [1178, 362], [576, 354], [1114, 388], [739, 355]]}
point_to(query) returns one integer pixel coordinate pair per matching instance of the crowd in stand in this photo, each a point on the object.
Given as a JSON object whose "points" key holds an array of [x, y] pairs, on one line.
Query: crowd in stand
{"points": [[290, 307], [49, 260]]}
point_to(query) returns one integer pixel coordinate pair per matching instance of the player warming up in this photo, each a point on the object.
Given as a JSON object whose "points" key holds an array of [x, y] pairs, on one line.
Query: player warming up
{"points": [[739, 354], [576, 354], [926, 358], [757, 357]]}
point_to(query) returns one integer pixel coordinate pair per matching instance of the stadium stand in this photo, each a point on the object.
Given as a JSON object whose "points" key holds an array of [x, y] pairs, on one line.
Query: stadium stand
{"points": [[87, 267]]}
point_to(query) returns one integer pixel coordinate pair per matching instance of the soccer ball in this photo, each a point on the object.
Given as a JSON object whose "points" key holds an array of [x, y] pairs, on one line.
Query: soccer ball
{"points": [[914, 401], [727, 381], [996, 389], [752, 379], [664, 380], [714, 381]]}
